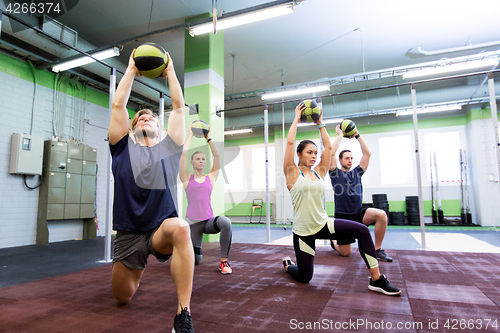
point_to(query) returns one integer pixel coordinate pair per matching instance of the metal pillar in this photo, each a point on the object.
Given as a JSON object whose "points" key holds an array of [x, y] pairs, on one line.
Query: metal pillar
{"points": [[283, 145], [417, 157], [320, 154], [268, 208], [109, 187], [162, 114]]}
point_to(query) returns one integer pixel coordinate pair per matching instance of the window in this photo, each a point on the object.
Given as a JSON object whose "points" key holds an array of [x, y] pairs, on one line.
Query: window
{"points": [[259, 168], [234, 168], [446, 147], [396, 162]]}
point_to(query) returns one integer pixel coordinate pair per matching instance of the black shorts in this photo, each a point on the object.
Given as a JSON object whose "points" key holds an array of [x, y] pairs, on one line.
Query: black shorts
{"points": [[358, 217], [133, 248]]}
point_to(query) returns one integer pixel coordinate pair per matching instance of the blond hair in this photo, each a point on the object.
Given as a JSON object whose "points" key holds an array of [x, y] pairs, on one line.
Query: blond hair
{"points": [[140, 113], [197, 152]]}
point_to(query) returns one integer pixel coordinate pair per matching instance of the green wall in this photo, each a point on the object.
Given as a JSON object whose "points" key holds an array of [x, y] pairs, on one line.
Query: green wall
{"points": [[206, 52]]}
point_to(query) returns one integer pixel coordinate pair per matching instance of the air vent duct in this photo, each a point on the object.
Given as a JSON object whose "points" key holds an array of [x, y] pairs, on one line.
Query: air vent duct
{"points": [[59, 31]]}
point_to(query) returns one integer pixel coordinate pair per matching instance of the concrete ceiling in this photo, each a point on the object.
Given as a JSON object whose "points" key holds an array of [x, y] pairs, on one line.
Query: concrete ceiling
{"points": [[323, 38]]}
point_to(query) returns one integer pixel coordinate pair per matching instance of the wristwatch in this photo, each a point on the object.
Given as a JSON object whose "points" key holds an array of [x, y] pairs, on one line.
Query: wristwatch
{"points": [[357, 136]]}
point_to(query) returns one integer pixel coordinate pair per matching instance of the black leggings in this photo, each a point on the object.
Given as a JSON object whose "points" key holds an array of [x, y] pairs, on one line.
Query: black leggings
{"points": [[304, 246]]}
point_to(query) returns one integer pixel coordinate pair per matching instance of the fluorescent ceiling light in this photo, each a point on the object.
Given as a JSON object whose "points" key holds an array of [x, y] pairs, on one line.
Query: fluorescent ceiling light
{"points": [[427, 109], [238, 131], [451, 68], [253, 16], [333, 121], [286, 93], [327, 121], [86, 60]]}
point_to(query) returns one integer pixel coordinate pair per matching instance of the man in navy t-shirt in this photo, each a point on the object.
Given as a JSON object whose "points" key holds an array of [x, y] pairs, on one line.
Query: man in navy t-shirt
{"points": [[348, 195], [145, 197]]}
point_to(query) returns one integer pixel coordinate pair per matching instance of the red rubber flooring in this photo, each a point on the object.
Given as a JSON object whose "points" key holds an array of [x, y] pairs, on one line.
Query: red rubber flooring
{"points": [[441, 292]]}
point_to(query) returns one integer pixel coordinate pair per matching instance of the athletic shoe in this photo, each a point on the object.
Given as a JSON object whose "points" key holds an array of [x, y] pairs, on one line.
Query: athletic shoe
{"points": [[224, 267], [382, 256], [183, 322], [287, 261], [383, 286]]}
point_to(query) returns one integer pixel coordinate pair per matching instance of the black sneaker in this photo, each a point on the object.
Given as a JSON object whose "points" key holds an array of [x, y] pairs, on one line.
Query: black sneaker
{"points": [[382, 256], [383, 286], [287, 261], [183, 322]]}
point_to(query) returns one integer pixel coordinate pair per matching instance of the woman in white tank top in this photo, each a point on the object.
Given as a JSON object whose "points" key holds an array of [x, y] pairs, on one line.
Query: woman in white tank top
{"points": [[311, 221]]}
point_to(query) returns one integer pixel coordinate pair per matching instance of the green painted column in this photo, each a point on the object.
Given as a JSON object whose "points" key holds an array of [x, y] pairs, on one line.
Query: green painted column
{"points": [[204, 85]]}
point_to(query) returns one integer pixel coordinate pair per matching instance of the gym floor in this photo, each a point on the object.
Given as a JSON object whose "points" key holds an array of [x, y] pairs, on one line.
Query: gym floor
{"points": [[63, 288], [35, 262]]}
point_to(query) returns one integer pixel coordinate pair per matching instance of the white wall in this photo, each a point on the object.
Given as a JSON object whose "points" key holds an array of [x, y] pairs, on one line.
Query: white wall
{"points": [[484, 172], [18, 205]]}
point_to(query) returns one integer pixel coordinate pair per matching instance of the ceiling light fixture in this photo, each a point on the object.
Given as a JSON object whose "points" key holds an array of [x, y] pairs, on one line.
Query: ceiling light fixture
{"points": [[427, 109], [300, 91], [247, 16], [451, 68], [238, 131], [113, 52], [326, 121], [333, 121]]}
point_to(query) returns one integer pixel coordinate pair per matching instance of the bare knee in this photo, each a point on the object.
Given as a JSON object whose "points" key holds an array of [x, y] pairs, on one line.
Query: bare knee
{"points": [[182, 231], [120, 300], [177, 230], [345, 251], [376, 215], [122, 297], [381, 217], [124, 282]]}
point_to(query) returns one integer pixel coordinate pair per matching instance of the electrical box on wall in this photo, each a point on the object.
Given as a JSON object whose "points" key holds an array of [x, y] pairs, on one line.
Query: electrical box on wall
{"points": [[26, 154]]}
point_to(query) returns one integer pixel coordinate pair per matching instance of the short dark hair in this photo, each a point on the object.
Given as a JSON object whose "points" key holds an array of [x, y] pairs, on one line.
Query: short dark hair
{"points": [[303, 144], [342, 153]]}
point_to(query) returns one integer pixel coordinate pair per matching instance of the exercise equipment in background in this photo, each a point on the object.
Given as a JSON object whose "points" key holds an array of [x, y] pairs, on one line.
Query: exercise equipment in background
{"points": [[463, 162], [434, 213], [438, 194]]}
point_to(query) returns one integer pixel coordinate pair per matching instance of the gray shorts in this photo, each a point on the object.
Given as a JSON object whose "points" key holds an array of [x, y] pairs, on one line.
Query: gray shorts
{"points": [[133, 248]]}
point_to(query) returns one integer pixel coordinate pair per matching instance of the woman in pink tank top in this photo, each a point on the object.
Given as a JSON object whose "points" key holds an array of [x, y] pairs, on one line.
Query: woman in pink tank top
{"points": [[199, 214]]}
